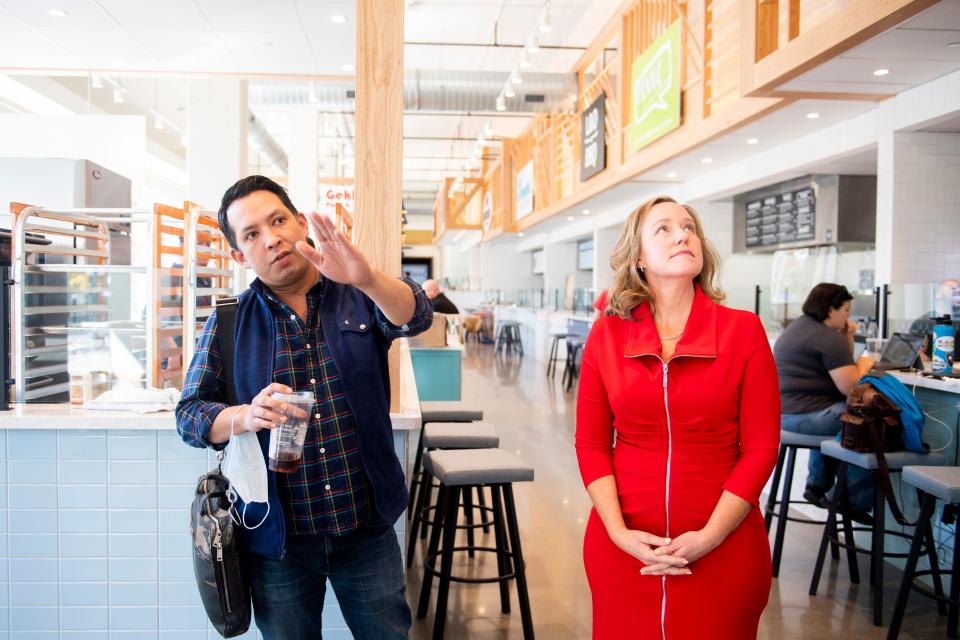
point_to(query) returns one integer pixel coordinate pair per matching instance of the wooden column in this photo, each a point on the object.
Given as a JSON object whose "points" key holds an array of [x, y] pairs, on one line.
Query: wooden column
{"points": [[379, 138], [379, 144]]}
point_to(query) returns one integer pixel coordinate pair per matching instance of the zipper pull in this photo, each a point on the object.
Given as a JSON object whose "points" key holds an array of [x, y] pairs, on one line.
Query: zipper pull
{"points": [[218, 545], [664, 375]]}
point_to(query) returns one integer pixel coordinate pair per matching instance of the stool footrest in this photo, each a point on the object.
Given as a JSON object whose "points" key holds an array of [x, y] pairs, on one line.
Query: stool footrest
{"points": [[430, 559], [864, 550], [924, 590]]}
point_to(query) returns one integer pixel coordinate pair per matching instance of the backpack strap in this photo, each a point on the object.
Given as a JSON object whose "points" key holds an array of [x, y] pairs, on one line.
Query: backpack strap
{"points": [[881, 476], [226, 330]]}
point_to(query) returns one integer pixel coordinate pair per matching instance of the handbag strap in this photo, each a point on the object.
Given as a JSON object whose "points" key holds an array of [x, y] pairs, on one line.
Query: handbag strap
{"points": [[881, 476], [226, 330]]}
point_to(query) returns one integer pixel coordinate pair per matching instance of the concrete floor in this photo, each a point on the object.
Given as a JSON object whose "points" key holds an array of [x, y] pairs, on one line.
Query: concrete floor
{"points": [[535, 418]]}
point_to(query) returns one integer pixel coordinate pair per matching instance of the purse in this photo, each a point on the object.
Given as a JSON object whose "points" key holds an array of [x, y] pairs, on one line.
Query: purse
{"points": [[871, 424], [224, 591]]}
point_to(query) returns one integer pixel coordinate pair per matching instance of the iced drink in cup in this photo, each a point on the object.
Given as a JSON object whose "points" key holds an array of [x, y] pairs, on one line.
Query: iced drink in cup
{"points": [[286, 439]]}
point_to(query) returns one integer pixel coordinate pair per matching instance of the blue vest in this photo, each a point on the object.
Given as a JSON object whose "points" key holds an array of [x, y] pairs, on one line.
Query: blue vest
{"points": [[359, 352]]}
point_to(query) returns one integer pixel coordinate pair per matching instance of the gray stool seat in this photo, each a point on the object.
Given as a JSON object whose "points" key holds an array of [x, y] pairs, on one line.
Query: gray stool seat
{"points": [[794, 439], [868, 461], [455, 467], [460, 435], [942, 482], [449, 411]]}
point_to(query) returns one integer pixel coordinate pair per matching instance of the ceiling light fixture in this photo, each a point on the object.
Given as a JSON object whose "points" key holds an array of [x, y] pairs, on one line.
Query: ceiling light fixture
{"points": [[312, 95], [508, 91], [525, 60], [881, 72], [488, 129], [338, 19], [752, 141], [158, 121], [183, 139], [520, 235], [96, 82], [501, 103], [546, 24], [706, 160], [813, 115], [533, 43], [672, 174], [515, 77], [58, 13], [570, 218], [347, 67], [118, 96], [585, 212]]}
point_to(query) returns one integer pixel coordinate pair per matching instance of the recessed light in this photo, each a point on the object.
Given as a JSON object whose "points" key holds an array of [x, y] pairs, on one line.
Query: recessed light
{"points": [[58, 13], [813, 115], [570, 218], [515, 77], [672, 174], [752, 141], [347, 67], [338, 19], [953, 45], [881, 72], [520, 235], [585, 212], [706, 160], [508, 91]]}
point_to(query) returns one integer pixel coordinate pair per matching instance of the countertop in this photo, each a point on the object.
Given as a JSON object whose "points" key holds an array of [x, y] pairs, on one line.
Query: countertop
{"points": [[66, 416], [911, 379]]}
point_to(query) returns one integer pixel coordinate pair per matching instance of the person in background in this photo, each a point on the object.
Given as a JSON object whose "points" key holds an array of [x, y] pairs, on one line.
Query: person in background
{"points": [[441, 303], [946, 302], [319, 319], [675, 546], [815, 365]]}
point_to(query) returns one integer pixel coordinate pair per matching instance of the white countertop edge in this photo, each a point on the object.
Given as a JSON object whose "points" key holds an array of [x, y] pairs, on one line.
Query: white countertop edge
{"points": [[946, 385], [66, 416]]}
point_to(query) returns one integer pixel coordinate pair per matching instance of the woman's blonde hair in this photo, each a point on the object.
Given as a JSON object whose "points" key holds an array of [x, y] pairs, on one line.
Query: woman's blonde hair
{"points": [[629, 287]]}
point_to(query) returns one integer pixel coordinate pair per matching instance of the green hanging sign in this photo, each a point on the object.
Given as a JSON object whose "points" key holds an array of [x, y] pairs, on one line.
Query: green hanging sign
{"points": [[655, 90]]}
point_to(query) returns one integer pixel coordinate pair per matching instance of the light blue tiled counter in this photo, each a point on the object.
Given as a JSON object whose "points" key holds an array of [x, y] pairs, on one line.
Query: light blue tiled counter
{"points": [[94, 539]]}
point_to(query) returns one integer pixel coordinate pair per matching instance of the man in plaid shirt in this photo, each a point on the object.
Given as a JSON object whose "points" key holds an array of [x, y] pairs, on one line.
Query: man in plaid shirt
{"points": [[315, 319]]}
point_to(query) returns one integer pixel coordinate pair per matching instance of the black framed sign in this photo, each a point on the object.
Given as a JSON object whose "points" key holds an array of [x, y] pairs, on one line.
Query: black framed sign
{"points": [[593, 143]]}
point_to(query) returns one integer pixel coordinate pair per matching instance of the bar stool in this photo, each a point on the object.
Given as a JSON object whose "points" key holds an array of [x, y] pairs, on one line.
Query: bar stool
{"points": [[459, 471], [449, 435], [790, 443], [472, 326], [555, 351], [508, 337], [896, 460], [437, 411], [572, 368], [932, 484]]}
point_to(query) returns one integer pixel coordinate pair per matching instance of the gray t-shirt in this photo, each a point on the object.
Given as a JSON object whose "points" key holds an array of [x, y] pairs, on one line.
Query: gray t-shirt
{"points": [[806, 352]]}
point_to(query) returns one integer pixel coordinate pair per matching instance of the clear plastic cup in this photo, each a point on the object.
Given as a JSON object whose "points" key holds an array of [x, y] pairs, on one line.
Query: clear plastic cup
{"points": [[286, 439], [875, 347]]}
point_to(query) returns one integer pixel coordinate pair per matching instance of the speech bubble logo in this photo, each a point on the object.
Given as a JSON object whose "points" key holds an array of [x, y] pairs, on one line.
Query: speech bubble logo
{"points": [[655, 89], [651, 84]]}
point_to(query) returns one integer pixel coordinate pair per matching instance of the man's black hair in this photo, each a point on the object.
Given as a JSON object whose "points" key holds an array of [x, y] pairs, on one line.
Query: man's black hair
{"points": [[241, 189], [823, 297]]}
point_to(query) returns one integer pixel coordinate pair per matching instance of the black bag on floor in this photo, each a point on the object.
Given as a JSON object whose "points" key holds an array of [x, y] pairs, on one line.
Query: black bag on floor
{"points": [[216, 549]]}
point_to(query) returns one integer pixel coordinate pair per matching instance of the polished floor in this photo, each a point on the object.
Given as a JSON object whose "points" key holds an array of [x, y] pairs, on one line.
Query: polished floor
{"points": [[535, 418]]}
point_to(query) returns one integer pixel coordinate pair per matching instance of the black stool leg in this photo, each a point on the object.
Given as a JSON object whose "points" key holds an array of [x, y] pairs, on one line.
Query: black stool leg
{"points": [[450, 507], [427, 490], [876, 555], [468, 513], [954, 608], [417, 522], [427, 583], [841, 491], [935, 576], [552, 360], [503, 560], [482, 501], [927, 504], [415, 475], [518, 567], [774, 488], [784, 506], [829, 530]]}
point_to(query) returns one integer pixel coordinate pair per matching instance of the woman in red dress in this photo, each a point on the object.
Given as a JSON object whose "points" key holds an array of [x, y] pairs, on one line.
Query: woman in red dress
{"points": [[675, 546]]}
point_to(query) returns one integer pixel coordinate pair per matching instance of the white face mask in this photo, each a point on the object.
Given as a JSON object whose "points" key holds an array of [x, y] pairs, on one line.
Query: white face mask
{"points": [[244, 467]]}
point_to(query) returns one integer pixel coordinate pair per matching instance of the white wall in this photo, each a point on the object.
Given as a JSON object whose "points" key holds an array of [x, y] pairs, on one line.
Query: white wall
{"points": [[505, 267], [217, 135], [603, 242]]}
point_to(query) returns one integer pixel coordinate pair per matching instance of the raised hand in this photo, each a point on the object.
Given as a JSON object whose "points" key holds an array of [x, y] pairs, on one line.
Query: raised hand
{"points": [[335, 256]]}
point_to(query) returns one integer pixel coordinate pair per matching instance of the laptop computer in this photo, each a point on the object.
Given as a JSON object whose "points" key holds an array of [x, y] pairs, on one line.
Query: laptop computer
{"points": [[901, 351]]}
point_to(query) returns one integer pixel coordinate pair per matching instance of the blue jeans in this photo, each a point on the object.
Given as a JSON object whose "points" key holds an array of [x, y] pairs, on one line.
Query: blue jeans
{"points": [[822, 472], [365, 569]]}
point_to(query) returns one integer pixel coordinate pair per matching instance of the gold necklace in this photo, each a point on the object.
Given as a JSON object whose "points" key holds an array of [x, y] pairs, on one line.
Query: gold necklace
{"points": [[670, 338]]}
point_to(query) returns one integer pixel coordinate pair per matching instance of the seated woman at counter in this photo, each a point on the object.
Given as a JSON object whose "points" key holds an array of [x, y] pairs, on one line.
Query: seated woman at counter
{"points": [[815, 365]]}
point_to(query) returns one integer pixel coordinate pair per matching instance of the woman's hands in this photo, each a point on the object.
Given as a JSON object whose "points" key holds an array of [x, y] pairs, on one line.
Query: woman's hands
{"points": [[689, 546], [643, 546]]}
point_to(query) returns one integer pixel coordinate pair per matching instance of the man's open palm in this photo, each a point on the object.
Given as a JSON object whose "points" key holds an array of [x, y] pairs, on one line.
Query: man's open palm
{"points": [[335, 256]]}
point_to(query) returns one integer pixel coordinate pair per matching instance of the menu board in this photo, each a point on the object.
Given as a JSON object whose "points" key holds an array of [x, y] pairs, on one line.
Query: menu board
{"points": [[787, 217]]}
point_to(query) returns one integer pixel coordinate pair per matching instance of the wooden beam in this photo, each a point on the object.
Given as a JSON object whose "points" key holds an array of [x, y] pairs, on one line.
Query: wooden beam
{"points": [[827, 95], [599, 42], [379, 131], [855, 23], [768, 19]]}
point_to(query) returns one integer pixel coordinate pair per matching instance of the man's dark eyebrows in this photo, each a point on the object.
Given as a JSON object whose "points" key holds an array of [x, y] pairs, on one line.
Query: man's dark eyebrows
{"points": [[270, 217]]}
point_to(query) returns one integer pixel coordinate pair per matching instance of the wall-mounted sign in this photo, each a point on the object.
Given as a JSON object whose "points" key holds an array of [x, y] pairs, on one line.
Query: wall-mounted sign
{"points": [[487, 214], [593, 143], [655, 94], [331, 194], [525, 191], [786, 217]]}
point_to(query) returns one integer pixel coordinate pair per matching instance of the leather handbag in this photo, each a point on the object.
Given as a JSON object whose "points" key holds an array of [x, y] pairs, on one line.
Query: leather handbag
{"points": [[871, 424], [224, 590]]}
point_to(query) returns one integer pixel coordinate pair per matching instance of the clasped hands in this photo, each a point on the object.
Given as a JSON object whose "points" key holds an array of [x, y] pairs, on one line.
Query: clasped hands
{"points": [[665, 556]]}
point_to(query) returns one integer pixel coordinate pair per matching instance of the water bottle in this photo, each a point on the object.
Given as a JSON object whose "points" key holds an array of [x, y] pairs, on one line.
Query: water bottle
{"points": [[943, 339]]}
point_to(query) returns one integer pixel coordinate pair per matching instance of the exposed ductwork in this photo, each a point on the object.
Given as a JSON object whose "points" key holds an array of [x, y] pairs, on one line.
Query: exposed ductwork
{"points": [[260, 138], [455, 91]]}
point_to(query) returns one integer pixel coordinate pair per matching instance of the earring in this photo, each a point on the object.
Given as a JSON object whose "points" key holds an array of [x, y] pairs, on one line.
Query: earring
{"points": [[641, 268]]}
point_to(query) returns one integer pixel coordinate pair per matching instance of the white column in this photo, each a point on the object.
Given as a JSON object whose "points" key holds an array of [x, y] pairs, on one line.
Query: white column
{"points": [[216, 138], [559, 261], [603, 243], [303, 167]]}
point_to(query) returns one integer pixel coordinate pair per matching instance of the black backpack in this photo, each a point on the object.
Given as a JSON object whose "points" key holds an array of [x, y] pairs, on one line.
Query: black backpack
{"points": [[216, 552]]}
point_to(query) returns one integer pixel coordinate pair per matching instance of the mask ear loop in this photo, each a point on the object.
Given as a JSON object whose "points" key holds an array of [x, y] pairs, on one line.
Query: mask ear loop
{"points": [[244, 515], [232, 496]]}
